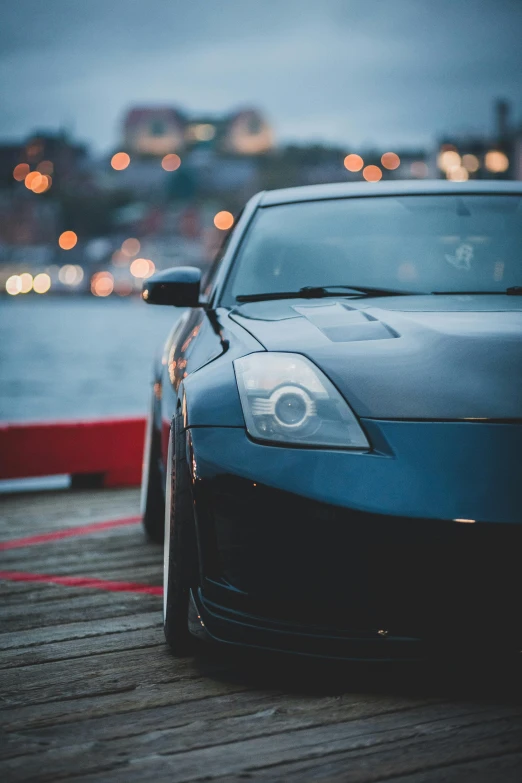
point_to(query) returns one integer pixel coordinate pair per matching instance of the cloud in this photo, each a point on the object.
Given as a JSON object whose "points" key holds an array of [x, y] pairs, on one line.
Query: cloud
{"points": [[343, 70]]}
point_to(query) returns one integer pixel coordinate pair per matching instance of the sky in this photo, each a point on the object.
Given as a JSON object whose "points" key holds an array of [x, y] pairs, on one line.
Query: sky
{"points": [[390, 73]]}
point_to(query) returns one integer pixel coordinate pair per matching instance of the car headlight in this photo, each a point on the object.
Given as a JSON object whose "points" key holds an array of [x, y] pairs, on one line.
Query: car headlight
{"points": [[285, 398]]}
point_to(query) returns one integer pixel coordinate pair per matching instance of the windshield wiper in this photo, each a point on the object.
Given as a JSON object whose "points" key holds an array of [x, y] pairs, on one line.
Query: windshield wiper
{"points": [[514, 290], [313, 292]]}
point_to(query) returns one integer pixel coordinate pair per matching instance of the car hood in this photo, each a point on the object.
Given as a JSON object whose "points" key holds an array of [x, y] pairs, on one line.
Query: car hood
{"points": [[407, 357]]}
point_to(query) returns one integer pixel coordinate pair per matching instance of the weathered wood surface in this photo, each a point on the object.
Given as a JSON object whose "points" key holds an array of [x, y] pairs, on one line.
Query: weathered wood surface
{"points": [[90, 692]]}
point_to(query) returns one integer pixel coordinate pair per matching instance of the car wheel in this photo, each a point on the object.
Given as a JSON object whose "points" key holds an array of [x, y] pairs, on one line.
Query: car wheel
{"points": [[181, 571], [152, 489]]}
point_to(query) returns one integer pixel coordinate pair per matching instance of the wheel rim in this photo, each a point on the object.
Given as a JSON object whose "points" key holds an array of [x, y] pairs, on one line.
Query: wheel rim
{"points": [[166, 544]]}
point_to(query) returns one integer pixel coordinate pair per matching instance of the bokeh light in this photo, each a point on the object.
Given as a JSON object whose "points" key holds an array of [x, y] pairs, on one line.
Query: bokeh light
{"points": [[171, 162], [372, 173], [67, 240], [142, 268], [45, 167], [353, 162], [26, 281], [70, 274], [203, 131], [471, 162], [496, 161], [119, 258], [120, 161], [224, 220], [131, 247], [457, 174], [122, 287], [102, 284], [32, 179], [42, 283], [448, 159], [13, 285], [43, 184], [21, 171], [390, 160]]}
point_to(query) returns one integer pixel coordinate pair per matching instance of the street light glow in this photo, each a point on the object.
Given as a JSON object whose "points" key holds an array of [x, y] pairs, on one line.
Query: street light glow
{"points": [[171, 162], [372, 173], [120, 161], [224, 220], [496, 161], [353, 162], [67, 240], [390, 160]]}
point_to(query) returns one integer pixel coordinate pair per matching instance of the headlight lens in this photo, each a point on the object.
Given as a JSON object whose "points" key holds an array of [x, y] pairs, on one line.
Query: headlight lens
{"points": [[287, 399]]}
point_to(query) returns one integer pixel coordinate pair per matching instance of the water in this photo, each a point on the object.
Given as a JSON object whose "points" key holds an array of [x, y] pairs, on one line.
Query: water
{"points": [[78, 358]]}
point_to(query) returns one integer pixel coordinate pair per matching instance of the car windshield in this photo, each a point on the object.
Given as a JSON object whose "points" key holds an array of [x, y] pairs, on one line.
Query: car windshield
{"points": [[417, 244]]}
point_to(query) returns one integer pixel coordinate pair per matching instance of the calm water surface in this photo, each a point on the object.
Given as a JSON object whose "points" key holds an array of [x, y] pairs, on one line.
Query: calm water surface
{"points": [[68, 358]]}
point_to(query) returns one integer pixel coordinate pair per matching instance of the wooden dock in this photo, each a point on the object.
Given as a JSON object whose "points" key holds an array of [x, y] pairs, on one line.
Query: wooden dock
{"points": [[90, 692]]}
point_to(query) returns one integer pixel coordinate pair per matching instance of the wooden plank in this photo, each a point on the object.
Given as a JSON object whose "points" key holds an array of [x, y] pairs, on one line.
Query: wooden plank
{"points": [[71, 605], [43, 511], [487, 745], [146, 636], [113, 703], [78, 677], [398, 742], [90, 692], [20, 641]]}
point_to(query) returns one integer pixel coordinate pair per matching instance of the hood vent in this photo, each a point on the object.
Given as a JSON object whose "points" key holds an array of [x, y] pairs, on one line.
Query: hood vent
{"points": [[341, 323]]}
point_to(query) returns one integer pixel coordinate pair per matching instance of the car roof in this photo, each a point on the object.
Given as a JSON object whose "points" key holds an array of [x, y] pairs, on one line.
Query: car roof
{"points": [[395, 188]]}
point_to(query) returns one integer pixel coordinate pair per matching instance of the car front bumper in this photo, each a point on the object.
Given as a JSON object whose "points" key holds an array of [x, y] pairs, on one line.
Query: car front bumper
{"points": [[391, 554]]}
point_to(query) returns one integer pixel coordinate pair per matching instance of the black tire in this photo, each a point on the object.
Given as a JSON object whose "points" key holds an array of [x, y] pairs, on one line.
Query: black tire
{"points": [[152, 484], [181, 567]]}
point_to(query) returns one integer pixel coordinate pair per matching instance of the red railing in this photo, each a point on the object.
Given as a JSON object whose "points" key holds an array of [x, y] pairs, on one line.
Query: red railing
{"points": [[101, 452]]}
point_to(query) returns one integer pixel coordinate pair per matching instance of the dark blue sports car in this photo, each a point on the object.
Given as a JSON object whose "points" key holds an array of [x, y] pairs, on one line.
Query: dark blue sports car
{"points": [[335, 440]]}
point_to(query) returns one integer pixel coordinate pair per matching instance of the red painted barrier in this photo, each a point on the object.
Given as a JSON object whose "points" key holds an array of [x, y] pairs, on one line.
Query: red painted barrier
{"points": [[108, 450]]}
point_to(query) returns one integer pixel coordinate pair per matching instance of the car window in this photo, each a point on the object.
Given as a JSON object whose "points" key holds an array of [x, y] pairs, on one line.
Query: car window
{"points": [[411, 243], [211, 274]]}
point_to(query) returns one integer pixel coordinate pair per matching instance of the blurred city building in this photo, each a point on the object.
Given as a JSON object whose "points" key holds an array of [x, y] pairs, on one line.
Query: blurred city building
{"points": [[472, 156], [159, 131], [72, 222], [153, 131]]}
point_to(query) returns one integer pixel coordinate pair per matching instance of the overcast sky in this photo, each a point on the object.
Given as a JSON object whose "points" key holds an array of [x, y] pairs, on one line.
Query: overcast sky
{"points": [[389, 72]]}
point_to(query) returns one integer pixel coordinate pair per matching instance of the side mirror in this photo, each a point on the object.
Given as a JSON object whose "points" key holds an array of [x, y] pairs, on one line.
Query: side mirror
{"points": [[178, 287]]}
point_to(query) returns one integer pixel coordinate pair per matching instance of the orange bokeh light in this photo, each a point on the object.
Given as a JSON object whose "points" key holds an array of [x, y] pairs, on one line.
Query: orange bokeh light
{"points": [[142, 268], [120, 161], [496, 161], [21, 171], [102, 284], [43, 184], [353, 162], [372, 173], [131, 247], [224, 220], [390, 160], [171, 162], [67, 240], [33, 179]]}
